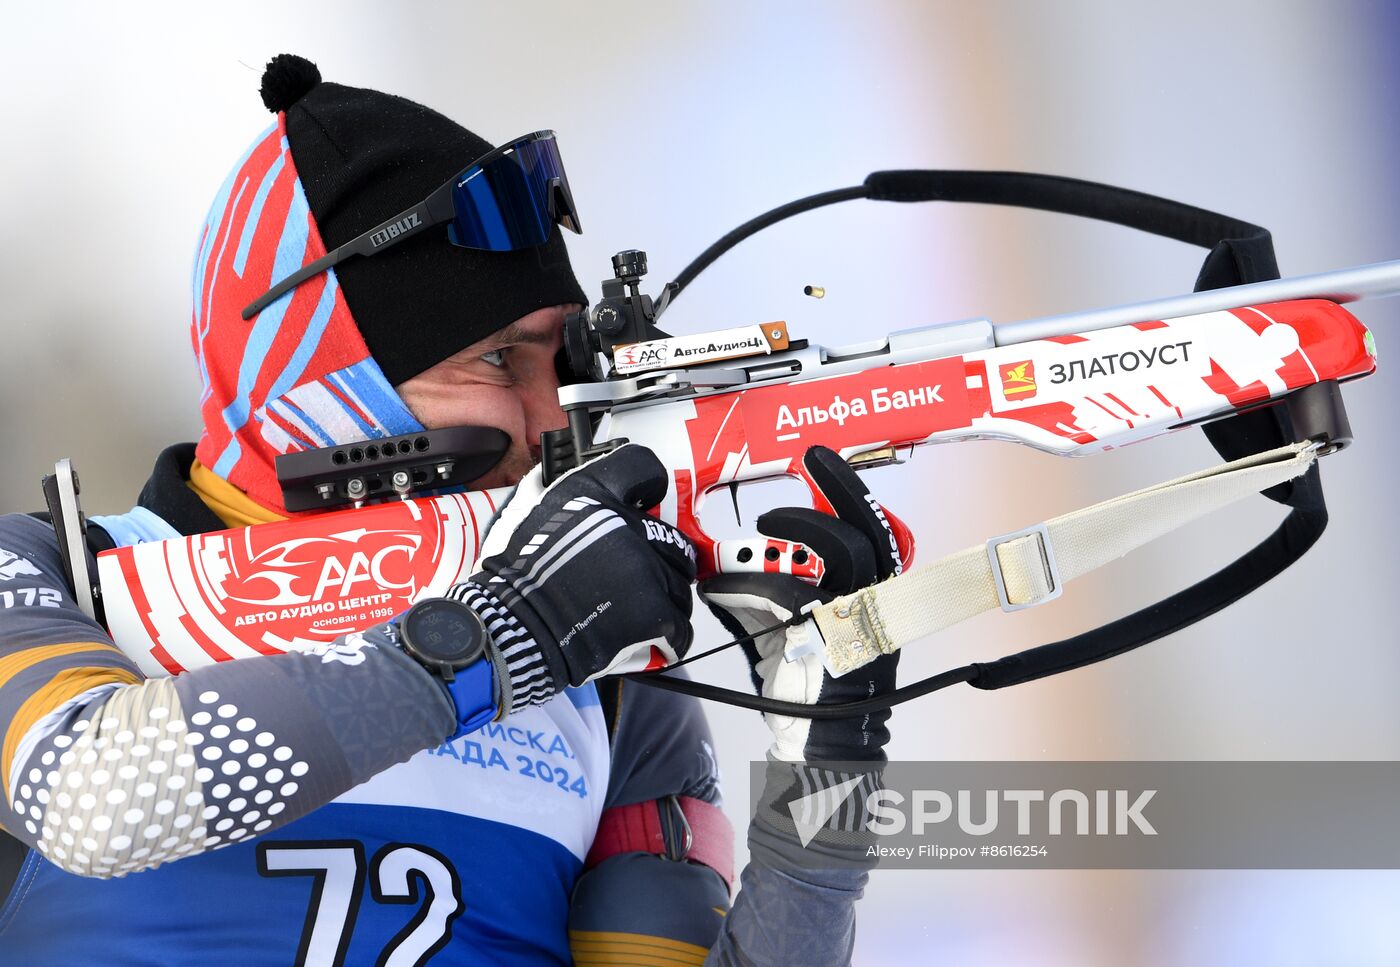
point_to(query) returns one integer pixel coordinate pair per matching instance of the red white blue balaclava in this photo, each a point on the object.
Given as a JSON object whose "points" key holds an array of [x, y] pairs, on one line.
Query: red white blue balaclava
{"points": [[298, 376]]}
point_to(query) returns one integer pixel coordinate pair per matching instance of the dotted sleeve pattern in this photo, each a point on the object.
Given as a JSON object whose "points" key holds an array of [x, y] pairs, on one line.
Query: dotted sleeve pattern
{"points": [[140, 775]]}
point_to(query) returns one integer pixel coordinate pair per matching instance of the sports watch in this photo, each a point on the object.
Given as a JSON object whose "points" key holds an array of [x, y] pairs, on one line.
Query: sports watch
{"points": [[449, 639]]}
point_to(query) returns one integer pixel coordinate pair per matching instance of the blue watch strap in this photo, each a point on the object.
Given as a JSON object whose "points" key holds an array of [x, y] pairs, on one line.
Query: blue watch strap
{"points": [[473, 691]]}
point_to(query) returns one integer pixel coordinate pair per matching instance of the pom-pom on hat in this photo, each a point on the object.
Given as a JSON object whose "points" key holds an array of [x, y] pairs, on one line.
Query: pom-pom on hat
{"points": [[287, 80], [318, 366]]}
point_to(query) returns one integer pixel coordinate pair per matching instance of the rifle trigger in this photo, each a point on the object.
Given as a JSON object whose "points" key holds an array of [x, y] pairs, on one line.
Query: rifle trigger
{"points": [[734, 496]]}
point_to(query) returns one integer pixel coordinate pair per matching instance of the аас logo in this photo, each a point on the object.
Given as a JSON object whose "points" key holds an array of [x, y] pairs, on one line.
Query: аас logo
{"points": [[303, 571]]}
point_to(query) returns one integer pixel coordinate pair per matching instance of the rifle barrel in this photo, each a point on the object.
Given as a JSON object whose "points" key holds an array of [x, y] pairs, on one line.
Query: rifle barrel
{"points": [[1374, 281]]}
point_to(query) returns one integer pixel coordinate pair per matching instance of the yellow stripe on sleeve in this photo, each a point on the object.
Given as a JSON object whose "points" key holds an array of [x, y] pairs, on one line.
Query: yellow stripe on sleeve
{"points": [[595, 948], [57, 690], [12, 665]]}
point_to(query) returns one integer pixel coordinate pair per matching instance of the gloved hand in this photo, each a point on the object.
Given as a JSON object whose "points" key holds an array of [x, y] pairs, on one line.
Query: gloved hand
{"points": [[858, 548], [578, 582]]}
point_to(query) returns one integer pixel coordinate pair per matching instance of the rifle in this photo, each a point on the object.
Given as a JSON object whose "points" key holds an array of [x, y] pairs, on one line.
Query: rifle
{"points": [[1259, 365]]}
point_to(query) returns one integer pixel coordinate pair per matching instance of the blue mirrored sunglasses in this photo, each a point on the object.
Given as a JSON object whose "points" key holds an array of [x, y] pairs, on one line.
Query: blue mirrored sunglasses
{"points": [[510, 198]]}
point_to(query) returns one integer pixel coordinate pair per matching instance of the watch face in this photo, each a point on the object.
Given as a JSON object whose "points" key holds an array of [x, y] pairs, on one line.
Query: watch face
{"points": [[443, 630]]}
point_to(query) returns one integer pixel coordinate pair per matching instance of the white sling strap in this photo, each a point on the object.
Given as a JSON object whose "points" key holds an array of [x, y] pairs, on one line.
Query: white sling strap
{"points": [[1031, 566]]}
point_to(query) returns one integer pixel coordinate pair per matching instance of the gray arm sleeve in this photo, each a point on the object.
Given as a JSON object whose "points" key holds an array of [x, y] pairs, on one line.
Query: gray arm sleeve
{"points": [[796, 901], [119, 777]]}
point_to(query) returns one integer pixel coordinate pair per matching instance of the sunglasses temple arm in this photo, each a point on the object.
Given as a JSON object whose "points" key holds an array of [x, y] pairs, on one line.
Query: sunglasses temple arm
{"points": [[436, 208], [292, 281]]}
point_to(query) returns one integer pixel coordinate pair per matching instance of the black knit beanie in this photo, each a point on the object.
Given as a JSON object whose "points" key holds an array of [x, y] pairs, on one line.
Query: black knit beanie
{"points": [[364, 156]]}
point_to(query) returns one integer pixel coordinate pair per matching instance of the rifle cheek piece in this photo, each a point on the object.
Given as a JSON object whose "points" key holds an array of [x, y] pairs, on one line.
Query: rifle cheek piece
{"points": [[389, 468]]}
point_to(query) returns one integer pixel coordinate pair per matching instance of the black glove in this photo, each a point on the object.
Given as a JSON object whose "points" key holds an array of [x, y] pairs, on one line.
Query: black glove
{"points": [[858, 549], [579, 582]]}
